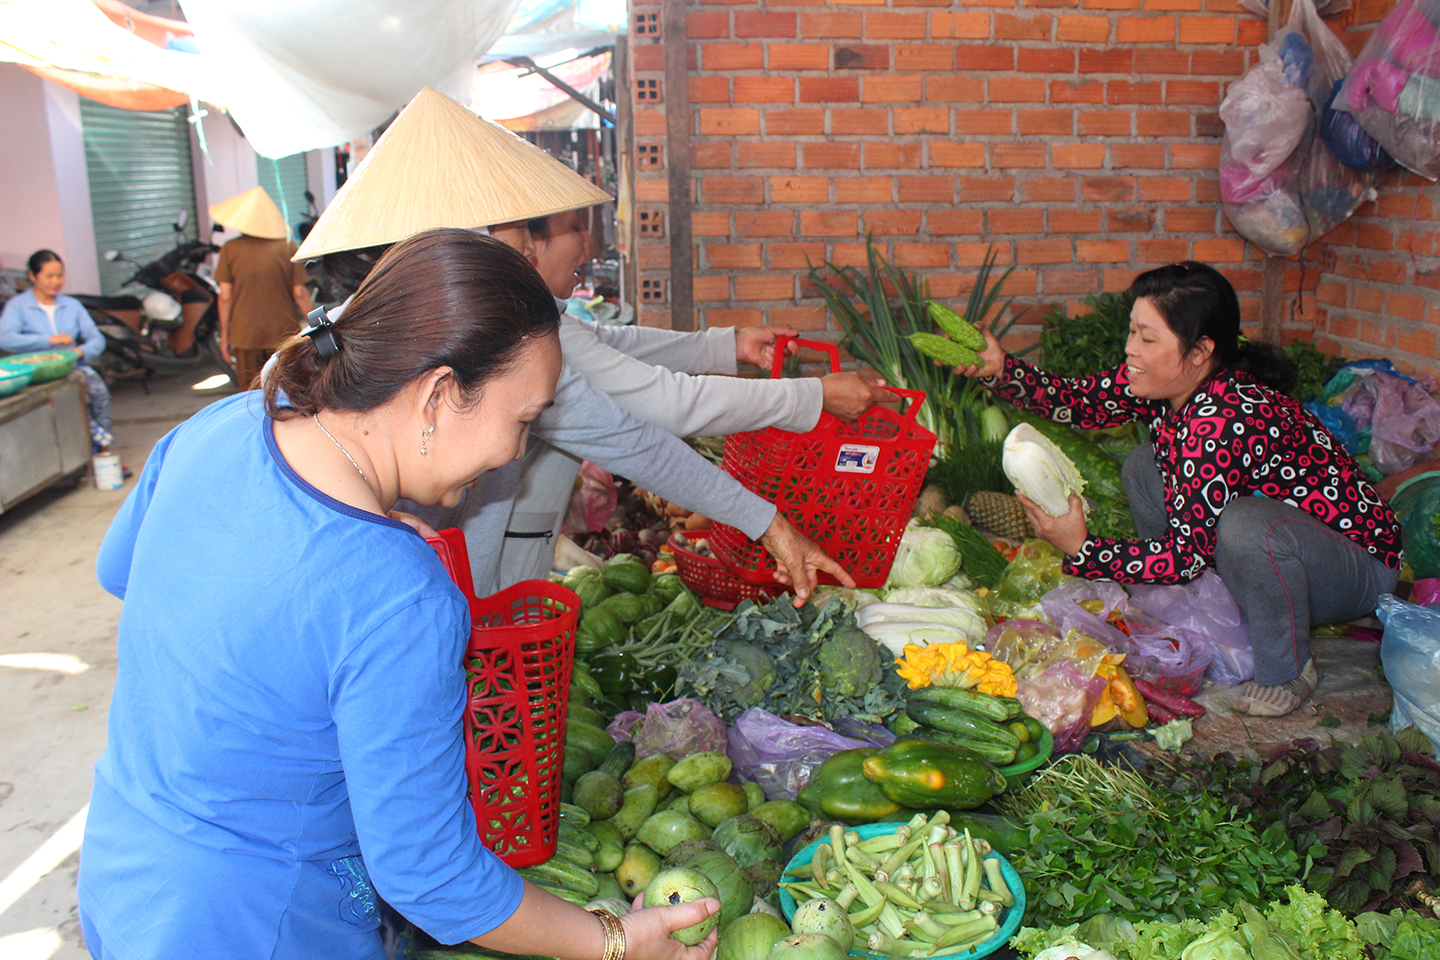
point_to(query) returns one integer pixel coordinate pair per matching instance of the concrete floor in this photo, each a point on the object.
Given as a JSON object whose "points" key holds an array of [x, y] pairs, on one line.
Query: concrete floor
{"points": [[54, 721]]}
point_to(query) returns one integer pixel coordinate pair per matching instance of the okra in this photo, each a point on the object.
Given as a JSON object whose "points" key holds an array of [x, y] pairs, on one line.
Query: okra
{"points": [[942, 869], [956, 871], [972, 872], [974, 930], [932, 888], [847, 895], [889, 945], [930, 925], [950, 918], [902, 855], [882, 844], [997, 882], [866, 916], [860, 858], [819, 863], [866, 889], [890, 920], [897, 896], [837, 843]]}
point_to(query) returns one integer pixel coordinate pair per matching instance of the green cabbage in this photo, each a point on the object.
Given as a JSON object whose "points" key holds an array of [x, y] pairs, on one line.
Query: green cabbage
{"points": [[926, 557]]}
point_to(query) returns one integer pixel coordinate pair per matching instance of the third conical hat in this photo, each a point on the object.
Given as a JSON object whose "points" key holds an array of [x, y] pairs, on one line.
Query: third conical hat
{"points": [[439, 165], [252, 213]]}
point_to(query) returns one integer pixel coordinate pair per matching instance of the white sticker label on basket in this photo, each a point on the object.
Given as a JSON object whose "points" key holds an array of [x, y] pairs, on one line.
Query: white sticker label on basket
{"points": [[856, 458]]}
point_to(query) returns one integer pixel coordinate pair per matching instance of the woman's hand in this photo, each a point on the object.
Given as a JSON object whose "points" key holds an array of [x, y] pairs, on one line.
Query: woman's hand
{"points": [[1067, 533], [61, 340], [226, 354], [848, 395], [410, 520], [992, 358], [799, 559], [753, 344], [647, 931]]}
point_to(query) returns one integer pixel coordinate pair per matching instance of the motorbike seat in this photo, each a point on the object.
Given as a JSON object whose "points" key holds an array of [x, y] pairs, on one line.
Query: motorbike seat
{"points": [[109, 303]]}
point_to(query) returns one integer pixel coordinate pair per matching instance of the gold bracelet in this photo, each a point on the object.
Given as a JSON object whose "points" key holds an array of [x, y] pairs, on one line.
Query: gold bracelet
{"points": [[614, 935]]}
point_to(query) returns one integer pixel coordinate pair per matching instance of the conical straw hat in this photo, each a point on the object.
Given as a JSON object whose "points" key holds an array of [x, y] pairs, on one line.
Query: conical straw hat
{"points": [[252, 213], [439, 165]]}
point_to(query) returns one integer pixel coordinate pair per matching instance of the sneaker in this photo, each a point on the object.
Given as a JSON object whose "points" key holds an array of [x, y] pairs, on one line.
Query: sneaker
{"points": [[1282, 698]]}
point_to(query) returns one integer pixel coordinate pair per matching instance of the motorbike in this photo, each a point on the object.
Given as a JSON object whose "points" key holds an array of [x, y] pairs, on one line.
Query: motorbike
{"points": [[174, 328]]}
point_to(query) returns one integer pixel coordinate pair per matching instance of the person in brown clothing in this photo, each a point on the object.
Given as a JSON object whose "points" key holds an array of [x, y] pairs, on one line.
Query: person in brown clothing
{"points": [[263, 298]]}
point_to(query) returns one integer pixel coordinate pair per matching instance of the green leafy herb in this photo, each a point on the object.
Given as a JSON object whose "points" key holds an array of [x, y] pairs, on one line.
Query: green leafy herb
{"points": [[960, 471], [1105, 841], [1089, 343], [1366, 817], [979, 559], [1313, 367]]}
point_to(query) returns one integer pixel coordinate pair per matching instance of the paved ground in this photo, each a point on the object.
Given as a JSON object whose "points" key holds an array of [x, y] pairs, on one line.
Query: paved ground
{"points": [[54, 721]]}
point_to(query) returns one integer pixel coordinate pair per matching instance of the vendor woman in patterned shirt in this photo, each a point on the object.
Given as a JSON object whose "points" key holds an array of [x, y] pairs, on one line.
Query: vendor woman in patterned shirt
{"points": [[1238, 476]]}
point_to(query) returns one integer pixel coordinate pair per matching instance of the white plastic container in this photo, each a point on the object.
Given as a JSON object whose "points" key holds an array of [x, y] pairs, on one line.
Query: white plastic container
{"points": [[108, 475]]}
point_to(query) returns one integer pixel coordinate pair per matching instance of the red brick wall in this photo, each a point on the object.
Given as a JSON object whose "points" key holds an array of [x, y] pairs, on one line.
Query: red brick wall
{"points": [[1378, 294], [1080, 137]]}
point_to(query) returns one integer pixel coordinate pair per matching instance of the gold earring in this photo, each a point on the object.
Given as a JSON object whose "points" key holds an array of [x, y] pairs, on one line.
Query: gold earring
{"points": [[424, 438]]}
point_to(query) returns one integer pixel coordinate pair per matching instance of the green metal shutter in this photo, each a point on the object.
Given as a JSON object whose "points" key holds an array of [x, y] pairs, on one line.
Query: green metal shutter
{"points": [[140, 179], [285, 181]]}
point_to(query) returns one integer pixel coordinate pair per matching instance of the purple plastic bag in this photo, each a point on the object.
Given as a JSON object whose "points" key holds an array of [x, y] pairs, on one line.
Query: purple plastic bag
{"points": [[1404, 421], [1062, 607], [1426, 593], [780, 755], [679, 728], [1203, 612]]}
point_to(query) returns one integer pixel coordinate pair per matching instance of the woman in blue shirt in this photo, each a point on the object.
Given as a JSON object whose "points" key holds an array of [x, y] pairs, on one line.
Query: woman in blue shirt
{"points": [[285, 745], [42, 318]]}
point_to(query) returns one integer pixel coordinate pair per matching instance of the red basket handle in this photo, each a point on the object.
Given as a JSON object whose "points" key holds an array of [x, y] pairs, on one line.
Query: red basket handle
{"points": [[782, 342], [455, 558], [916, 397]]}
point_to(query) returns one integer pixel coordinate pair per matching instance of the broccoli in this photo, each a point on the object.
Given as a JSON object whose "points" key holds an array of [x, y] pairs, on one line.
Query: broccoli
{"points": [[850, 663]]}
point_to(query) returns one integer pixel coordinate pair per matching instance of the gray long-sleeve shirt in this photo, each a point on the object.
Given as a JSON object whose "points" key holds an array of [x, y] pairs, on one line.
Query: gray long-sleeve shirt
{"points": [[587, 424]]}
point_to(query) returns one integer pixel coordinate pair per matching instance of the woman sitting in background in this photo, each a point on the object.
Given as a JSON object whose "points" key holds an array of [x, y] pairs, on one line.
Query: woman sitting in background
{"points": [[43, 318]]}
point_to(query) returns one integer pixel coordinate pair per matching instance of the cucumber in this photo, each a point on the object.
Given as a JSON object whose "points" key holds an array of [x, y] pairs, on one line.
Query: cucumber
{"points": [[586, 714], [569, 813], [557, 890], [1013, 707], [962, 722], [579, 835], [574, 853], [618, 761], [563, 874], [997, 754], [589, 738], [953, 698], [580, 677]]}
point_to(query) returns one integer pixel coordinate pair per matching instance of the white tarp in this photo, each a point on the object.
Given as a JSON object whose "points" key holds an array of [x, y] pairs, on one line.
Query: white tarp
{"points": [[302, 74]]}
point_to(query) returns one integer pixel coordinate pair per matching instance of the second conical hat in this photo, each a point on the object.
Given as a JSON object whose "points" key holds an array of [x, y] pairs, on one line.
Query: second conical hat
{"points": [[439, 165], [252, 213]]}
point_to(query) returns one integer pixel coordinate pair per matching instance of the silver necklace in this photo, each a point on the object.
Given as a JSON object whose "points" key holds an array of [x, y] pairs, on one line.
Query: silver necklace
{"points": [[316, 418]]}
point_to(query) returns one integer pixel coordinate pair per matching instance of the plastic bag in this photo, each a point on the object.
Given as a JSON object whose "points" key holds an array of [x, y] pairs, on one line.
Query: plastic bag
{"points": [[1425, 592], [1281, 186], [678, 728], [1348, 140], [1410, 654], [779, 755], [592, 502], [1062, 607], [1063, 700], [1402, 420], [1338, 422], [1204, 612], [1037, 569], [1392, 88]]}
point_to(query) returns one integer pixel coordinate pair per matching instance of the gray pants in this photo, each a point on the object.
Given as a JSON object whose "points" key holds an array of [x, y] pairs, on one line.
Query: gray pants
{"points": [[1285, 569]]}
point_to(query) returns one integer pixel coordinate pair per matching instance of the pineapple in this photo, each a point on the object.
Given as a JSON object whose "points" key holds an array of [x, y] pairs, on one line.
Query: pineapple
{"points": [[999, 513]]}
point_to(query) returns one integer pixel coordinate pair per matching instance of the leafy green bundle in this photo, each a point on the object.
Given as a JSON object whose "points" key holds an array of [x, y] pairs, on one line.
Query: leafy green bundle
{"points": [[1313, 367], [1367, 817], [1088, 343], [1105, 841], [978, 558], [808, 662]]}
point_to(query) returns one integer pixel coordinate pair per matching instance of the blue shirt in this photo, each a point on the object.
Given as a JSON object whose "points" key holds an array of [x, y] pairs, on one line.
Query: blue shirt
{"points": [[289, 699], [25, 326]]}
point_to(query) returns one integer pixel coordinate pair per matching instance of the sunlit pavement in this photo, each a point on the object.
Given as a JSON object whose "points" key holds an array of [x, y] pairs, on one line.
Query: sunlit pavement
{"points": [[57, 668]]}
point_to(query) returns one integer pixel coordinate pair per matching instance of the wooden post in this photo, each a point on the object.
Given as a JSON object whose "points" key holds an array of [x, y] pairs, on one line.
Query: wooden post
{"points": [[1272, 276], [677, 161], [626, 238]]}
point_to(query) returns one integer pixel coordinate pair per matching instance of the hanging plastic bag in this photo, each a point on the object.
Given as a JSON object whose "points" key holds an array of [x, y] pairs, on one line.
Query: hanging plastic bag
{"points": [[1410, 654], [1203, 611], [1349, 141], [780, 756], [1392, 88]]}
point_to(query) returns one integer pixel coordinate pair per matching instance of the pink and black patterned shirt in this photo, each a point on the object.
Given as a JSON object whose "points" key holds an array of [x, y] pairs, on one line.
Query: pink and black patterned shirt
{"points": [[1235, 437]]}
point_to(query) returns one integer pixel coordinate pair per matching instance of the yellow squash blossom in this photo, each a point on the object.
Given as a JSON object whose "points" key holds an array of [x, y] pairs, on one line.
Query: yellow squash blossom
{"points": [[956, 665]]}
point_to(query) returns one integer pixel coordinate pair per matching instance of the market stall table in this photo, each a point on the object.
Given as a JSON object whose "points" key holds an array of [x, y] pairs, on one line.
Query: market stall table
{"points": [[43, 438]]}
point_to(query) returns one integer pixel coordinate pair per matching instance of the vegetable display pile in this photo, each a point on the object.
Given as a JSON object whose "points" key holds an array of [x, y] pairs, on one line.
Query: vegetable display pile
{"points": [[805, 662], [1366, 817], [923, 890], [1088, 343], [1106, 841]]}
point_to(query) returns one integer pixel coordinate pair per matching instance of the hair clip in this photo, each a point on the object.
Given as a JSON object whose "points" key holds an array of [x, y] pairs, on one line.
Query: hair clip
{"points": [[322, 333]]}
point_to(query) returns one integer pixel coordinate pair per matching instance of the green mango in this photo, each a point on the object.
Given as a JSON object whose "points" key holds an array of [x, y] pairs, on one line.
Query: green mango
{"points": [[699, 769], [714, 802], [638, 805], [635, 872]]}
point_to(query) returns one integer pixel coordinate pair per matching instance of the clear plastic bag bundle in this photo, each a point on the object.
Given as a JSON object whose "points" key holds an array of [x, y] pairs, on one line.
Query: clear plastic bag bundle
{"points": [[1393, 90], [1410, 654]]}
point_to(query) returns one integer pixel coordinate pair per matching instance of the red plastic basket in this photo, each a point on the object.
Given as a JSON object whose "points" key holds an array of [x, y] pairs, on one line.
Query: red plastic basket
{"points": [[712, 581], [522, 646], [850, 487]]}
